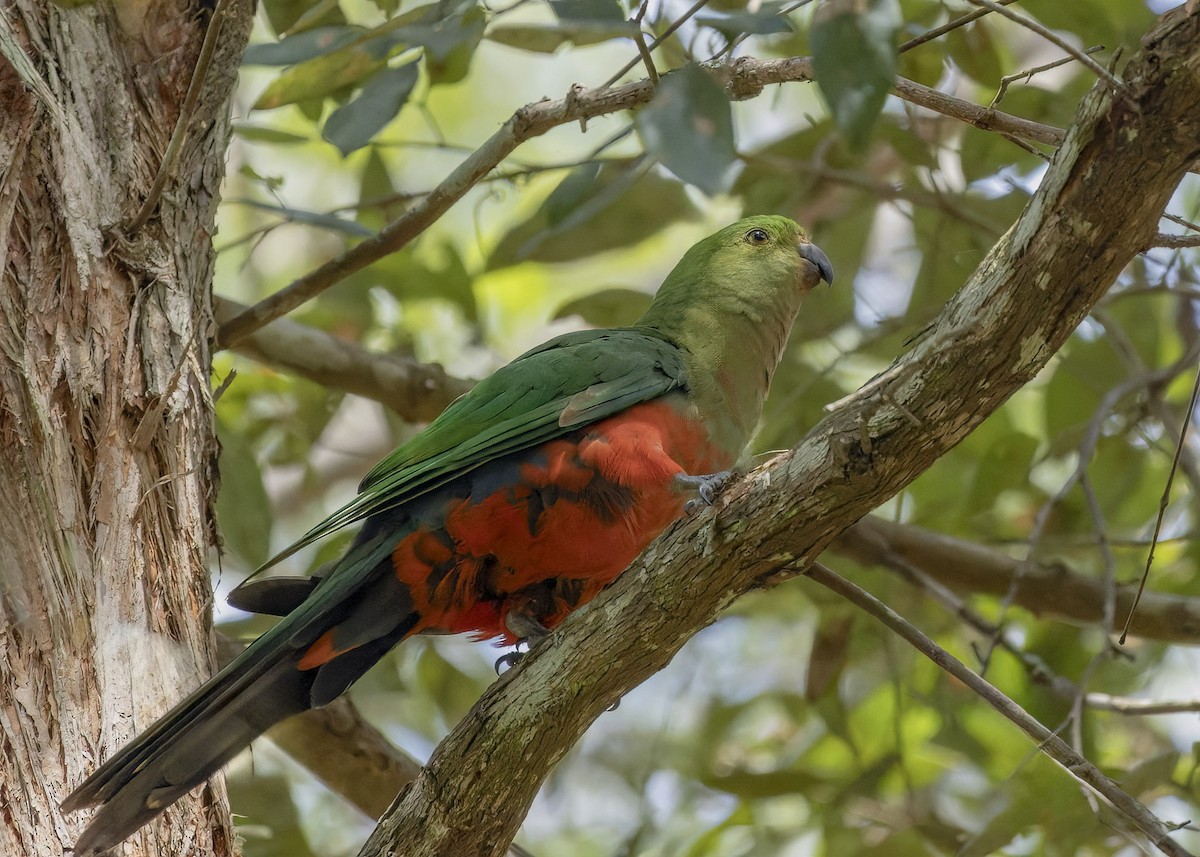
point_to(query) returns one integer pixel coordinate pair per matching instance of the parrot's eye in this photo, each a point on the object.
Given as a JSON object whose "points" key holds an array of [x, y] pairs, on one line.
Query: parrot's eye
{"points": [[757, 236]]}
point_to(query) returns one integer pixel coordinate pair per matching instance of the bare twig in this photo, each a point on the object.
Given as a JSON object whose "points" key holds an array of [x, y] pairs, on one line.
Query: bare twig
{"points": [[938, 32], [1048, 742], [184, 122], [1175, 242], [666, 34], [639, 39], [1027, 74], [1162, 503], [1053, 37]]}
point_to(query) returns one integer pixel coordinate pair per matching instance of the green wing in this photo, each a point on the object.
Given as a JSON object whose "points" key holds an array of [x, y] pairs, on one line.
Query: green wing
{"points": [[568, 382]]}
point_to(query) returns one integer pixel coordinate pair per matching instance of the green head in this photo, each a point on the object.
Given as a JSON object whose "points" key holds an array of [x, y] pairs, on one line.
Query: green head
{"points": [[729, 304]]}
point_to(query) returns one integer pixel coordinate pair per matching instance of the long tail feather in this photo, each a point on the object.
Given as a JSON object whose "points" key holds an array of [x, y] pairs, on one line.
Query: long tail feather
{"points": [[259, 688]]}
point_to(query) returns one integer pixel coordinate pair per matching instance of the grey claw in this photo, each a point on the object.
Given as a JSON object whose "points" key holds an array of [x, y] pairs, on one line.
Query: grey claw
{"points": [[508, 661], [706, 487]]}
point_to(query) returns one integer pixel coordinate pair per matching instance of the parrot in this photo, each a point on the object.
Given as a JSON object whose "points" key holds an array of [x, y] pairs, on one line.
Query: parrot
{"points": [[520, 502]]}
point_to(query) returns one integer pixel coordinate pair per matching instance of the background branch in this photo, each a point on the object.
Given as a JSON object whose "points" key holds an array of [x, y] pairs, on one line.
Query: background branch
{"points": [[1044, 589], [416, 391]]}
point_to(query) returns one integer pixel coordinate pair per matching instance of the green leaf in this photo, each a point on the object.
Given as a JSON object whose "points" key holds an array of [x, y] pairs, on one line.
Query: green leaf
{"points": [[301, 47], [688, 127], [325, 74], [854, 61], [1004, 466], [607, 308], [588, 10], [449, 42], [375, 185], [243, 509], [763, 21], [592, 211], [352, 125], [283, 15], [268, 823], [977, 53], [263, 134], [547, 38]]}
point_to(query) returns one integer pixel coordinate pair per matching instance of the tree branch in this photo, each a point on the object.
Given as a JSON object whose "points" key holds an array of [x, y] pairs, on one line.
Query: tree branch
{"points": [[418, 392], [1044, 589], [1098, 205], [743, 78]]}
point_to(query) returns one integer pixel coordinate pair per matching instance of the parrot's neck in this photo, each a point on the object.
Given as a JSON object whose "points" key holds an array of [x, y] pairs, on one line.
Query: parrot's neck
{"points": [[731, 353]]}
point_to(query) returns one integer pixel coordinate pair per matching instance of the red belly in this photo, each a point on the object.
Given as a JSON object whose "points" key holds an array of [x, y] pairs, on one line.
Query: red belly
{"points": [[543, 533]]}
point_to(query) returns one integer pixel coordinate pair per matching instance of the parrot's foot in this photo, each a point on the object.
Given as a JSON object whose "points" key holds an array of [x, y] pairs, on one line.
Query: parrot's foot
{"points": [[706, 487], [529, 632]]}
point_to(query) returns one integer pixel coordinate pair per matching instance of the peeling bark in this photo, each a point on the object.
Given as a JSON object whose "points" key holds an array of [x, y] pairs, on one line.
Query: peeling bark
{"points": [[107, 473]]}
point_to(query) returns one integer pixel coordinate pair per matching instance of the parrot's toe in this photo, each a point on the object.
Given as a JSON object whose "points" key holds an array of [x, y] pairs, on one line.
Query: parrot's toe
{"points": [[706, 487], [528, 631], [508, 661]]}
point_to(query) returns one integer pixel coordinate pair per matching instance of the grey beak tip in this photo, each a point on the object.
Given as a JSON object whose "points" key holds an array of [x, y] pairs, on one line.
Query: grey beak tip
{"points": [[817, 256]]}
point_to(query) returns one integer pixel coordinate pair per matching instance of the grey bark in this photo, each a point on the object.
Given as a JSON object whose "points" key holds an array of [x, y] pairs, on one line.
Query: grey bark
{"points": [[107, 463]]}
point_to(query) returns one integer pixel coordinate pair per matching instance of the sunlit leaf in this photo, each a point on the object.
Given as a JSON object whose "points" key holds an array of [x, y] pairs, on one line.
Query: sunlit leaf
{"points": [[324, 74]]}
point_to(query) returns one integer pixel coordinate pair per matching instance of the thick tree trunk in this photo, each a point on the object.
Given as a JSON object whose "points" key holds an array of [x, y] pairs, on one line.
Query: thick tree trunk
{"points": [[106, 474]]}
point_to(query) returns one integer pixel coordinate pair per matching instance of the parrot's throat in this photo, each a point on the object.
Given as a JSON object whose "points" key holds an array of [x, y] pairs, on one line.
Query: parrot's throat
{"points": [[730, 368]]}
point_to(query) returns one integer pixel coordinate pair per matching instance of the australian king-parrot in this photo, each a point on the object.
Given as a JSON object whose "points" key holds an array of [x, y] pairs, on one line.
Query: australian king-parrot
{"points": [[520, 502]]}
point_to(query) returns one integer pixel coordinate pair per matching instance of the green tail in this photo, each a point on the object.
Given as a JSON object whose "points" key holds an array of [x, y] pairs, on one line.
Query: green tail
{"points": [[259, 688]]}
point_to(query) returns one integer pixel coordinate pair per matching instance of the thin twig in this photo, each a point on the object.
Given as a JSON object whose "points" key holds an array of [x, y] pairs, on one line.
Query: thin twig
{"points": [[938, 32], [667, 33], [1060, 751], [179, 134], [1175, 242], [1038, 671], [1162, 503], [1053, 37], [639, 38], [1027, 74]]}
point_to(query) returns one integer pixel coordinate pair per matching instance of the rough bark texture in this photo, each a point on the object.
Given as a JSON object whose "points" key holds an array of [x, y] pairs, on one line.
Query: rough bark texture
{"points": [[106, 474], [1097, 208]]}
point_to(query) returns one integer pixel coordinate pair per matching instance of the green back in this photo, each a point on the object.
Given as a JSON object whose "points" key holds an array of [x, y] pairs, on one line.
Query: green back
{"points": [[560, 386]]}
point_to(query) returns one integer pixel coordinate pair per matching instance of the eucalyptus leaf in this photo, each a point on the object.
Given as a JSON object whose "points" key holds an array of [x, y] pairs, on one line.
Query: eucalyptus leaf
{"points": [[688, 127], [854, 61], [352, 125], [301, 47]]}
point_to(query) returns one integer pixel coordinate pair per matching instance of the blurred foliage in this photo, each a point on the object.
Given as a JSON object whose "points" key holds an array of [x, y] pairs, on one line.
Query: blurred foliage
{"points": [[794, 726]]}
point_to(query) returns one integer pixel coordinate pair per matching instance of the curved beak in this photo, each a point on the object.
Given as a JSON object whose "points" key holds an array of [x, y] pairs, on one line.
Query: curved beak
{"points": [[817, 256]]}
